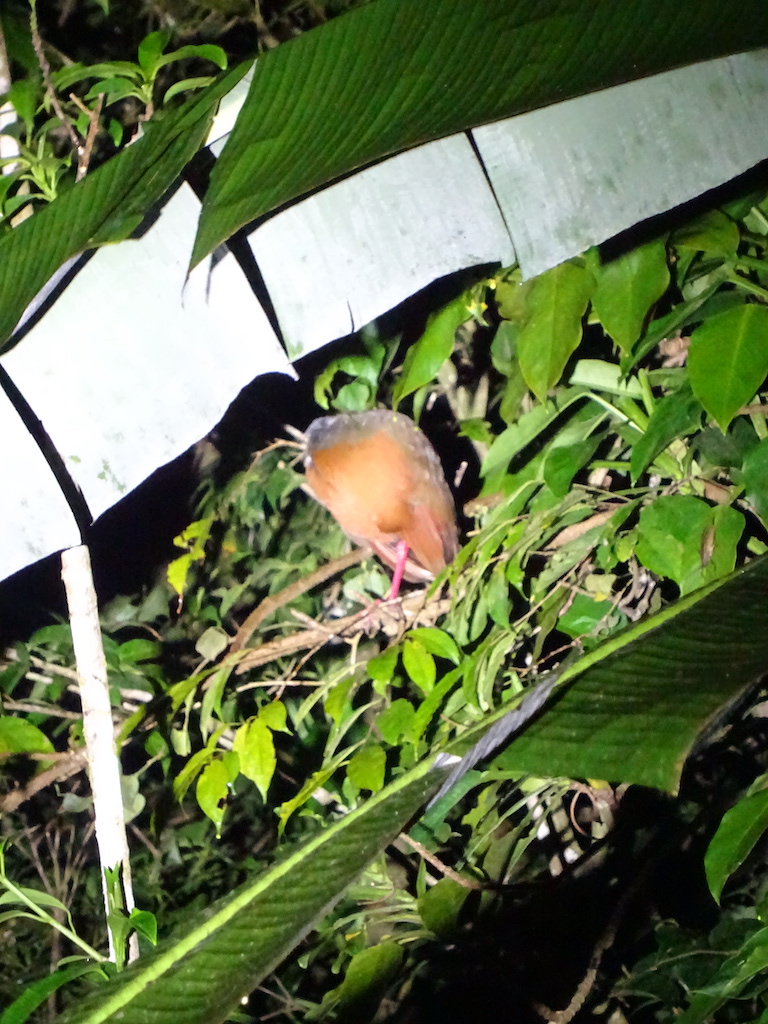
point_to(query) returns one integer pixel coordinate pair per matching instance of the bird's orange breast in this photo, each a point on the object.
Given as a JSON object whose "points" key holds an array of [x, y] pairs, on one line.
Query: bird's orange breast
{"points": [[382, 481]]}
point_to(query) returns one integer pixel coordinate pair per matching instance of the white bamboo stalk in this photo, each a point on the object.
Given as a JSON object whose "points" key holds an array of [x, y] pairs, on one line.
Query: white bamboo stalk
{"points": [[103, 763]]}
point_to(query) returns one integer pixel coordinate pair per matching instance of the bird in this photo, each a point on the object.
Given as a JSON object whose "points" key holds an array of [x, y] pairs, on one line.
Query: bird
{"points": [[382, 481]]}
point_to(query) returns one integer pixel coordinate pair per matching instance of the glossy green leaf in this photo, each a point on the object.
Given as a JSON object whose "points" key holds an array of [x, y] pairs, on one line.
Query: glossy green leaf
{"points": [[212, 790], [674, 416], [557, 302], [755, 475], [366, 768], [395, 720], [427, 355], [18, 736], [222, 953], [275, 715], [713, 233], [683, 538], [366, 979], [437, 642], [34, 995], [106, 206], [419, 664], [728, 360], [397, 73], [255, 747], [519, 435], [564, 461], [627, 288], [440, 907], [736, 836]]}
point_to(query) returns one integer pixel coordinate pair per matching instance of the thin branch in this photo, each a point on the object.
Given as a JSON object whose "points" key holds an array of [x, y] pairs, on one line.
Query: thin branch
{"points": [[412, 609], [430, 858], [65, 767], [288, 594], [84, 153], [45, 69]]}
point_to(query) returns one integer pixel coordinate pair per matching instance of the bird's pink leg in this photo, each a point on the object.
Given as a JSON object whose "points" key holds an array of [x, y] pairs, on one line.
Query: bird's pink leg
{"points": [[397, 576]]}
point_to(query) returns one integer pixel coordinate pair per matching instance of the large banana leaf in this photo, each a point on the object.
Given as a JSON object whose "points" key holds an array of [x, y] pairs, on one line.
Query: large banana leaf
{"points": [[398, 73], [199, 977], [629, 711]]}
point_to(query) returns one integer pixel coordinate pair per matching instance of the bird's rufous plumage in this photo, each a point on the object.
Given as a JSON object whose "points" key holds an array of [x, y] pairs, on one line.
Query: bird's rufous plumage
{"points": [[381, 479]]}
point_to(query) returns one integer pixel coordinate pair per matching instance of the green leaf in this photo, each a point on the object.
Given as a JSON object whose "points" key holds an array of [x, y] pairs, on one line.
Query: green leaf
{"points": [[114, 89], [150, 51], [713, 233], [597, 375], [728, 360], [145, 923], [214, 691], [212, 642], [275, 715], [222, 953], [729, 980], [426, 356], [440, 907], [37, 896], [367, 977], [673, 416], [336, 700], [437, 642], [201, 51], [385, 77], [34, 995], [212, 790], [627, 288], [255, 747], [367, 767], [736, 836], [395, 721], [519, 435], [682, 537], [419, 664], [186, 85], [74, 73], [18, 736], [557, 302], [563, 462], [382, 667], [755, 476]]}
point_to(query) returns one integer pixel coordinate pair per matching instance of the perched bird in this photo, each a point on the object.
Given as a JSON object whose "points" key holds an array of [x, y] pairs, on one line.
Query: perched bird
{"points": [[382, 481]]}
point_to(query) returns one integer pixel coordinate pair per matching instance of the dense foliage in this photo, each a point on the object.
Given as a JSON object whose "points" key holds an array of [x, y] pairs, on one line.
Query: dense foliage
{"points": [[607, 419]]}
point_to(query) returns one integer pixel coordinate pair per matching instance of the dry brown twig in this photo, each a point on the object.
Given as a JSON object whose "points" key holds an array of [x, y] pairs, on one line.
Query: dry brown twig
{"points": [[45, 69], [287, 594], [388, 617], [84, 152], [430, 858], [66, 766]]}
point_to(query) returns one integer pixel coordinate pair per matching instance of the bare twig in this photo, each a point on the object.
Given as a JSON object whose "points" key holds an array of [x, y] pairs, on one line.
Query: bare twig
{"points": [[40, 709], [45, 69], [84, 153], [430, 858], [287, 594], [65, 767], [415, 607]]}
